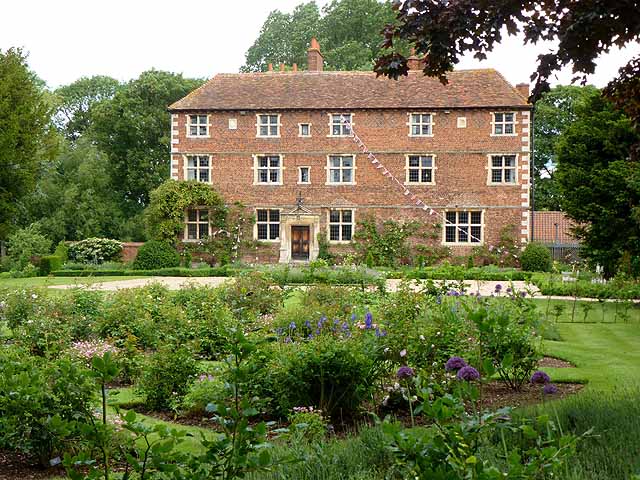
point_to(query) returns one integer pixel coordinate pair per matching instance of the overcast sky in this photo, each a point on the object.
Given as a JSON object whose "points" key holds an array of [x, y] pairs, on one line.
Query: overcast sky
{"points": [[68, 39]]}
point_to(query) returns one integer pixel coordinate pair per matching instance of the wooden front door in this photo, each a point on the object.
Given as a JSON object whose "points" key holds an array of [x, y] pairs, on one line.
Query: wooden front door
{"points": [[300, 242]]}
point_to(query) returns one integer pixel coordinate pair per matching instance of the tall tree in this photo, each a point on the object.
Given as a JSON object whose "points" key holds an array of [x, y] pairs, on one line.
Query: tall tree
{"points": [[133, 130], [600, 183], [75, 101], [74, 198], [554, 113], [25, 114], [443, 31], [349, 32]]}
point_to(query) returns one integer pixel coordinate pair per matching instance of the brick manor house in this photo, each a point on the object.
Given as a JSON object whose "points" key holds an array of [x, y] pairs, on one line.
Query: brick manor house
{"points": [[275, 142]]}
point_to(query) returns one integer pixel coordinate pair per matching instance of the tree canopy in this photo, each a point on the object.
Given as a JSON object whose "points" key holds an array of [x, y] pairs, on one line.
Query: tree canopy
{"points": [[554, 113], [25, 114], [132, 129], [348, 32], [443, 31], [600, 183]]}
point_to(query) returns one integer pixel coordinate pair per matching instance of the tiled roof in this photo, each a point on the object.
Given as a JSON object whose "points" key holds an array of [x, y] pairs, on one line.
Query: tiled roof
{"points": [[552, 227], [351, 90]]}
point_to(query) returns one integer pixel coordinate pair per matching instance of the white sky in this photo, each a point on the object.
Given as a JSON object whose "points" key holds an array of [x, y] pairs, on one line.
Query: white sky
{"points": [[68, 39]]}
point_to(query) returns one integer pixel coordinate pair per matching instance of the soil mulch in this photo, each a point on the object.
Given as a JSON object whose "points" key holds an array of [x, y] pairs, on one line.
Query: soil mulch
{"points": [[551, 362], [15, 466], [497, 394]]}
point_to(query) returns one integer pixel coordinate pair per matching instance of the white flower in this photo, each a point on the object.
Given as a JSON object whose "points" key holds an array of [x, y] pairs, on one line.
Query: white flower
{"points": [[422, 337], [403, 353], [433, 346], [34, 296]]}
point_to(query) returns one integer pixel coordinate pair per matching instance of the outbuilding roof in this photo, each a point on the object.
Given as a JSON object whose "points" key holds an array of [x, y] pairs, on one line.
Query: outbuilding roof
{"points": [[479, 88]]}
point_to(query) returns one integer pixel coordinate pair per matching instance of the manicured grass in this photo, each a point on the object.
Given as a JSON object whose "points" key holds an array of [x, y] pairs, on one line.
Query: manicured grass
{"points": [[48, 281], [595, 312], [606, 355]]}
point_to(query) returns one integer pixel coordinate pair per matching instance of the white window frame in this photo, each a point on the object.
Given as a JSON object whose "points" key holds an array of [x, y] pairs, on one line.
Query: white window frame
{"points": [[328, 168], [503, 123], [421, 123], [343, 126], [340, 223], [300, 130], [198, 222], [490, 169], [268, 223], [257, 168], [469, 210], [420, 168], [278, 124], [198, 167], [300, 182], [198, 124]]}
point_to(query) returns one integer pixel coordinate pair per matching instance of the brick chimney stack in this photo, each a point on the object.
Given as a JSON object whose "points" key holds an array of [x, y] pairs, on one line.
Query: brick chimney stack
{"points": [[414, 62], [523, 89], [315, 60]]}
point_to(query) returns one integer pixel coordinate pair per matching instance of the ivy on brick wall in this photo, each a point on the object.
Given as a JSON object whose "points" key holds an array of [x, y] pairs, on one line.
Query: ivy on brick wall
{"points": [[165, 215], [383, 244]]}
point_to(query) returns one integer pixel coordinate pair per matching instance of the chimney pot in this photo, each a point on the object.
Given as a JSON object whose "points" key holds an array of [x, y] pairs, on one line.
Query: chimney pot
{"points": [[295, 67], [271, 67], [282, 67], [523, 89], [415, 62], [315, 60]]}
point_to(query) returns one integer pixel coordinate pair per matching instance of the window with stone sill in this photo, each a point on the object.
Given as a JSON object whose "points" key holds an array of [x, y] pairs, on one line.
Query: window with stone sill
{"points": [[340, 225], [304, 130], [197, 224], [267, 224], [199, 168], [420, 125], [197, 126], [463, 227], [338, 128], [502, 170], [268, 125], [420, 169], [268, 169], [504, 123], [341, 169]]}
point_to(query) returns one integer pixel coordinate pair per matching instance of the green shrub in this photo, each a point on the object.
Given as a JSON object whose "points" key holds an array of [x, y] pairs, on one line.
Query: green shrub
{"points": [[41, 404], [206, 389], [331, 374], [252, 294], [536, 258], [167, 376], [95, 250], [26, 243], [156, 254], [49, 263], [62, 251]]}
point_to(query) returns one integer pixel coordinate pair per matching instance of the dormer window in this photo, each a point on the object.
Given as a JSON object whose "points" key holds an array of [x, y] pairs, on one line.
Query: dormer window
{"points": [[268, 125], [504, 123], [197, 126]]}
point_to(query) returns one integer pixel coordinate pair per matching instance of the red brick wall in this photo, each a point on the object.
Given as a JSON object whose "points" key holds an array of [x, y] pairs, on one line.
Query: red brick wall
{"points": [[460, 159], [130, 250]]}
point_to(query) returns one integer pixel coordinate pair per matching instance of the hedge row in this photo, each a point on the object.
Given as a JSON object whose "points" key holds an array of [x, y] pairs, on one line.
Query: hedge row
{"points": [[223, 271], [467, 274], [614, 289]]}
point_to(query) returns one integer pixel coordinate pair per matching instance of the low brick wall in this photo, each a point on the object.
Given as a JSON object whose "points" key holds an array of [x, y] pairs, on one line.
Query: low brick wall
{"points": [[130, 250]]}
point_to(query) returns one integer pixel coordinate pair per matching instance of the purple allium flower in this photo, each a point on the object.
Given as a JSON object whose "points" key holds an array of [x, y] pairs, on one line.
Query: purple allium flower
{"points": [[540, 378], [455, 363], [498, 288], [368, 320], [405, 372], [292, 326], [468, 374], [509, 290], [550, 389], [523, 294]]}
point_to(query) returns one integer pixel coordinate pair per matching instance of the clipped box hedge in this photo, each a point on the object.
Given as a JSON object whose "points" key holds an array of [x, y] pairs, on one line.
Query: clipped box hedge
{"points": [[461, 273], [49, 263]]}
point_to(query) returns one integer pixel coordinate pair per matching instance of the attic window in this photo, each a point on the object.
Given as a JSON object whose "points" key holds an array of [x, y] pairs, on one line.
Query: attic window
{"points": [[268, 125], [504, 123], [197, 126]]}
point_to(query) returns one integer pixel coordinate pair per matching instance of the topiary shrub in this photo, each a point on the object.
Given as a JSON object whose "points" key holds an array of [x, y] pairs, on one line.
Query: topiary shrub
{"points": [[156, 254], [536, 258], [50, 263], [95, 250]]}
